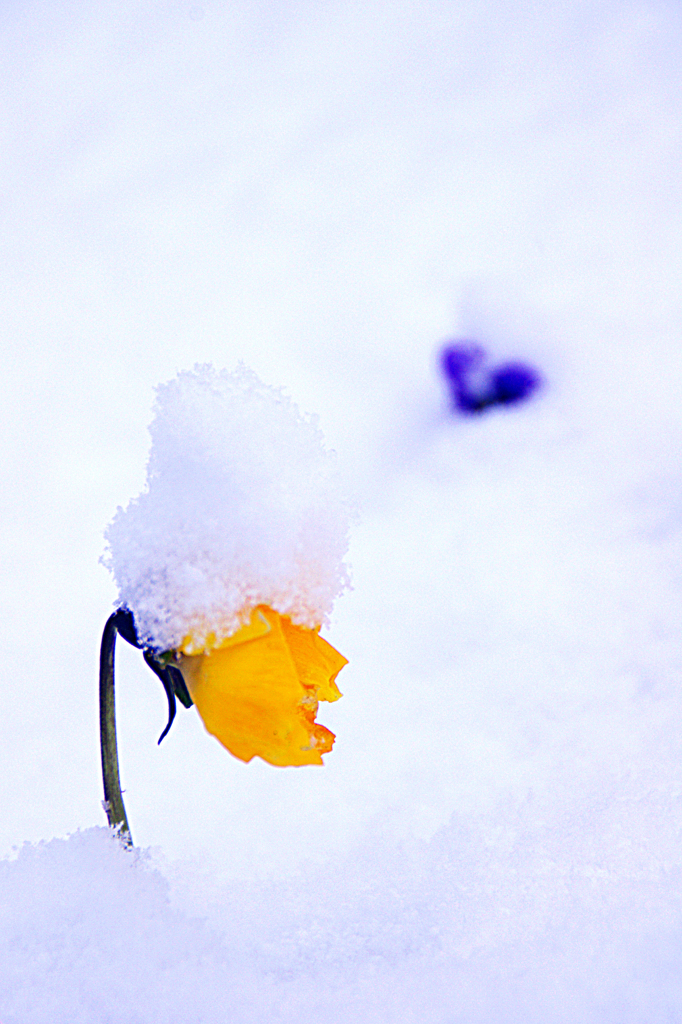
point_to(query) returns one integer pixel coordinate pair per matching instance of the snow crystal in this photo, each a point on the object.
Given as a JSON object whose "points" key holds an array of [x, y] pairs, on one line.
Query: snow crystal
{"points": [[241, 507]]}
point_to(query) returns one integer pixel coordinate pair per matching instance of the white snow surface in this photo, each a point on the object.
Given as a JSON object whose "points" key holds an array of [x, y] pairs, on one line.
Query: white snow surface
{"points": [[525, 921], [325, 193], [241, 507]]}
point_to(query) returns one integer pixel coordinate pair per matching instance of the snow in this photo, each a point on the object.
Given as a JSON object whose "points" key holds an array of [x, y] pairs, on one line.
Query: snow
{"points": [[240, 509], [520, 921], [329, 195]]}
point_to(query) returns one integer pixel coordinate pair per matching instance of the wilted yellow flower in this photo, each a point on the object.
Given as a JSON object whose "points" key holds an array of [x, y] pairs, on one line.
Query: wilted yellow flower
{"points": [[258, 691], [242, 510]]}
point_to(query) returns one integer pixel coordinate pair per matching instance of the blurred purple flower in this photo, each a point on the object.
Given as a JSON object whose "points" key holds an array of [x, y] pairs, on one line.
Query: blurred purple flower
{"points": [[455, 359], [472, 390], [514, 382]]}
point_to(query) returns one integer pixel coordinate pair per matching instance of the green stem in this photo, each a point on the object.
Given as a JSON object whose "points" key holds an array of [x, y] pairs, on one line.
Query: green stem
{"points": [[113, 798]]}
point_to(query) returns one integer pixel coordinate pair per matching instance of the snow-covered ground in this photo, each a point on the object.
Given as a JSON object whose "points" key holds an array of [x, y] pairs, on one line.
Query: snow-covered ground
{"points": [[328, 192]]}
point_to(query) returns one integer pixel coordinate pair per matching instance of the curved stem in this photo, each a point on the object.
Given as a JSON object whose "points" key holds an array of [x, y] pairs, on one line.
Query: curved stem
{"points": [[113, 798]]}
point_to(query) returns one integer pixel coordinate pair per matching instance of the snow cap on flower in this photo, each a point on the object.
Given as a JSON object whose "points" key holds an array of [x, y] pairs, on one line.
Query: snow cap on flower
{"points": [[241, 508]]}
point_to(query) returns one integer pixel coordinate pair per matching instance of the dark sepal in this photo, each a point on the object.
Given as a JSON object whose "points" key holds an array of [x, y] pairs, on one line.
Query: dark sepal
{"points": [[167, 681], [171, 677], [125, 625], [179, 686]]}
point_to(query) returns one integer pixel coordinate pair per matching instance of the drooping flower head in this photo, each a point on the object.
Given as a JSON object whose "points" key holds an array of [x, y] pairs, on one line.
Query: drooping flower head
{"points": [[229, 561]]}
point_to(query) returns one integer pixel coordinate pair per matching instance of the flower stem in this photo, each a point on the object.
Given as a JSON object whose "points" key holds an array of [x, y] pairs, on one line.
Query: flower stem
{"points": [[113, 798]]}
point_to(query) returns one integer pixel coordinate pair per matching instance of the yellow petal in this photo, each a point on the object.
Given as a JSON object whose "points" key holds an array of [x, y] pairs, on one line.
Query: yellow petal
{"points": [[316, 661], [258, 691]]}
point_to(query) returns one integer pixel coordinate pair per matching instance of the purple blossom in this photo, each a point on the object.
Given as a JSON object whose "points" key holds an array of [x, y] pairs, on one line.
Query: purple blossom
{"points": [[513, 382], [473, 389], [455, 359]]}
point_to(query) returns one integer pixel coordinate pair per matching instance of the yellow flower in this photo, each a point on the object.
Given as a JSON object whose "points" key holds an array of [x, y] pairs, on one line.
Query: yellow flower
{"points": [[258, 691]]}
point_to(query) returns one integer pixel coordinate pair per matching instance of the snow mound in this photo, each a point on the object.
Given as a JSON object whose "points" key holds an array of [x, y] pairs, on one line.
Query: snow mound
{"points": [[88, 936], [504, 919], [241, 507]]}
